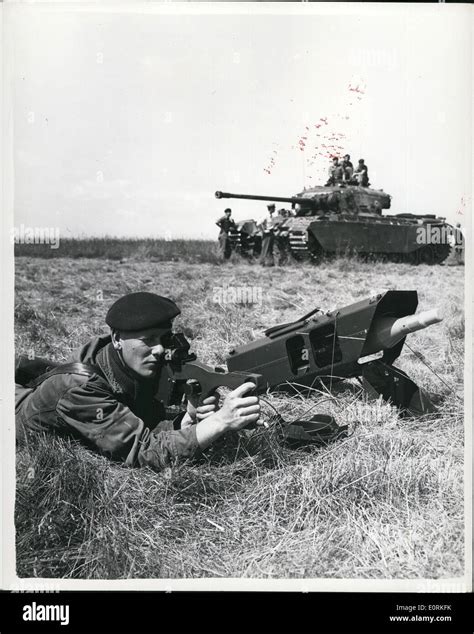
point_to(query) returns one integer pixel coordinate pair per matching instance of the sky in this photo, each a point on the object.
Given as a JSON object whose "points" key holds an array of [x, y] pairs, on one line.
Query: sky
{"points": [[126, 122]]}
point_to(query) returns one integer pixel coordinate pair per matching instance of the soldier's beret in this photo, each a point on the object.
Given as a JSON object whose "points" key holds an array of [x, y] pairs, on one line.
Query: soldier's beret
{"points": [[139, 311], [228, 210]]}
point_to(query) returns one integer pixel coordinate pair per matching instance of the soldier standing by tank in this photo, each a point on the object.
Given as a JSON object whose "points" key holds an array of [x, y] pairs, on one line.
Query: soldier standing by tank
{"points": [[458, 244], [281, 246], [225, 224], [268, 238], [362, 174]]}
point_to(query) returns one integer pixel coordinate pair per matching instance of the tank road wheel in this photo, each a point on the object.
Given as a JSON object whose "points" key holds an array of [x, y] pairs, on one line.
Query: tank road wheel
{"points": [[301, 256], [433, 253], [298, 245], [441, 252], [423, 255]]}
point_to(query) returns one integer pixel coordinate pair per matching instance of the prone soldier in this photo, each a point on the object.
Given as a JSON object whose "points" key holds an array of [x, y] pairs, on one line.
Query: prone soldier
{"points": [[106, 396]]}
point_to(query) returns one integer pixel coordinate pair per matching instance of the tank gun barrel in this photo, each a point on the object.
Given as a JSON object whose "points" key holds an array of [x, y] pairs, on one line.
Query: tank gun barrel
{"points": [[276, 199]]}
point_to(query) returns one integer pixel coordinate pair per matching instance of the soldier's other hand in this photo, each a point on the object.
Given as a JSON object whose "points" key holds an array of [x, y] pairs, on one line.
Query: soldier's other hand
{"points": [[207, 408], [196, 413]]}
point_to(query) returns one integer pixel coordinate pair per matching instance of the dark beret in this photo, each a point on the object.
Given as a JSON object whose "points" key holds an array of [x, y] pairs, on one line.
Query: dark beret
{"points": [[228, 210], [139, 311]]}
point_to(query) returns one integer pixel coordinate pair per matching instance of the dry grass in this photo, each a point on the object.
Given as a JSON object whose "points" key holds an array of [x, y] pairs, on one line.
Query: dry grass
{"points": [[155, 249], [386, 502]]}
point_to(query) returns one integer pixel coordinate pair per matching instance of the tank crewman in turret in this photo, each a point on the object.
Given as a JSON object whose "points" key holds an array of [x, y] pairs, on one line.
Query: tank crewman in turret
{"points": [[335, 172], [109, 404], [347, 168], [268, 238], [362, 174], [225, 224]]}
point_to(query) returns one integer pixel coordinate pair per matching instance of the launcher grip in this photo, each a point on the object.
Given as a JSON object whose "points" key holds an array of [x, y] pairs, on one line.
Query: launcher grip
{"points": [[194, 378], [203, 380]]}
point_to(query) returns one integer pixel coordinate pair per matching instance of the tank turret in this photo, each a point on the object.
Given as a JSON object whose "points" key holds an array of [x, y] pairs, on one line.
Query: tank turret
{"points": [[317, 200]]}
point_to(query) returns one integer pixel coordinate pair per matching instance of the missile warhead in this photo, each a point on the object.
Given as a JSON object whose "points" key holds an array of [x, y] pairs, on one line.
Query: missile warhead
{"points": [[386, 332]]}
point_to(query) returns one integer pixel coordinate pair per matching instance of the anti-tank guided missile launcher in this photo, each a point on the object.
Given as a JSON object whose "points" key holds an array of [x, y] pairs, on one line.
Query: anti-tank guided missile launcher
{"points": [[361, 340]]}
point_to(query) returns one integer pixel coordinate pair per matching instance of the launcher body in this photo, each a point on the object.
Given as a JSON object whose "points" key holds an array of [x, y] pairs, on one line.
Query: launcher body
{"points": [[183, 375], [342, 344], [326, 347]]}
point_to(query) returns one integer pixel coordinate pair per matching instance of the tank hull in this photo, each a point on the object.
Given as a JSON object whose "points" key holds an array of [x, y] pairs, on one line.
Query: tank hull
{"points": [[386, 237]]}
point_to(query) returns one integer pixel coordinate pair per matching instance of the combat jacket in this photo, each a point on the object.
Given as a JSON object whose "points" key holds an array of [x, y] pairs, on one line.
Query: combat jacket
{"points": [[110, 411], [225, 224]]}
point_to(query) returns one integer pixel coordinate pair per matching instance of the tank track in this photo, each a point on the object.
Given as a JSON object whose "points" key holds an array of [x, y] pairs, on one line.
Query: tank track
{"points": [[298, 240], [427, 254], [302, 250]]}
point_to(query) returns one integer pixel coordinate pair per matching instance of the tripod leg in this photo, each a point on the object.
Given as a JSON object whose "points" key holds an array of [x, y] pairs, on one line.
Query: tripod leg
{"points": [[381, 379]]}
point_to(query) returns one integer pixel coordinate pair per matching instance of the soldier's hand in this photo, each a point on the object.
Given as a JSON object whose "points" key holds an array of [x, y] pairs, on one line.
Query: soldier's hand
{"points": [[196, 413], [238, 410]]}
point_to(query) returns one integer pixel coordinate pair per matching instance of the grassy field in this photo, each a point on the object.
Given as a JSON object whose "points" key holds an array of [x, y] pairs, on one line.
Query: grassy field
{"points": [[386, 502], [155, 249]]}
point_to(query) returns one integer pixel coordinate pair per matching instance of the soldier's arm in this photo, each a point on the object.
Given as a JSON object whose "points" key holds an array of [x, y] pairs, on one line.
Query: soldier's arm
{"points": [[114, 430]]}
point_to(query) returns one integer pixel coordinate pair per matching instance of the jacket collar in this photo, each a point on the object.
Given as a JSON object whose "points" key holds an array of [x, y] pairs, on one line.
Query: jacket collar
{"points": [[122, 380]]}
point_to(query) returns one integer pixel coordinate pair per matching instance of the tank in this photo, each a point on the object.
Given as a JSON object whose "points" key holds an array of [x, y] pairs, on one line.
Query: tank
{"points": [[348, 219]]}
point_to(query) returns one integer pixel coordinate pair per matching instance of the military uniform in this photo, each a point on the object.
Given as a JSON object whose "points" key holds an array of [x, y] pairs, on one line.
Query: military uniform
{"points": [[225, 224], [362, 175], [111, 411], [336, 174], [347, 170], [268, 241]]}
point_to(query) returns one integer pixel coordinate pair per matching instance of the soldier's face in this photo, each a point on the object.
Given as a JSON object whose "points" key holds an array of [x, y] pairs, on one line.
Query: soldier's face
{"points": [[143, 350]]}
